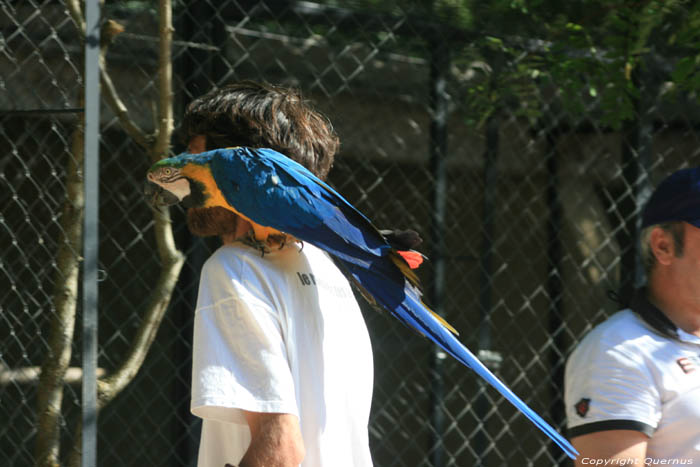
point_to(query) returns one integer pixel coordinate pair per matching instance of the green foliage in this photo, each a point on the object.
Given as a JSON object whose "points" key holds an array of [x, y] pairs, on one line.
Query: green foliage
{"points": [[685, 39], [592, 52], [591, 55], [499, 75]]}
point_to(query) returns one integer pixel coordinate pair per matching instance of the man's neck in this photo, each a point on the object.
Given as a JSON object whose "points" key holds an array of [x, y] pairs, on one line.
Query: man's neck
{"points": [[682, 311]]}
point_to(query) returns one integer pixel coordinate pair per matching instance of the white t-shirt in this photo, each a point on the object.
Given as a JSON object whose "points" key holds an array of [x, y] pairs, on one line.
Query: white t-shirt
{"points": [[625, 375], [280, 333]]}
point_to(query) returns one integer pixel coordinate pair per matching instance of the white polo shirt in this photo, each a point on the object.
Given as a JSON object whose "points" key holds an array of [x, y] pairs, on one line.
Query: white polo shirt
{"points": [[625, 375]]}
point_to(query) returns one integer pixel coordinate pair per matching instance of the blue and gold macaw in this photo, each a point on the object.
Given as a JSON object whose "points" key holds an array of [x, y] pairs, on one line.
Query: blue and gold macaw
{"points": [[279, 196]]}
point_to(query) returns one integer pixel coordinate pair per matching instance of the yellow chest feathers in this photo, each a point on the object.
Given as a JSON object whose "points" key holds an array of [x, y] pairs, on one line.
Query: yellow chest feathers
{"points": [[212, 195]]}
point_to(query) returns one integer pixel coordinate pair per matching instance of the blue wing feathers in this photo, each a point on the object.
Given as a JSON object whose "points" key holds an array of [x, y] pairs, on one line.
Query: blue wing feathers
{"points": [[296, 201], [277, 192]]}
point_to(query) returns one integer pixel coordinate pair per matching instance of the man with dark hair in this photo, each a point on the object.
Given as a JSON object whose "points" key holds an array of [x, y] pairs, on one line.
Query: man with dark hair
{"points": [[632, 386], [282, 364]]}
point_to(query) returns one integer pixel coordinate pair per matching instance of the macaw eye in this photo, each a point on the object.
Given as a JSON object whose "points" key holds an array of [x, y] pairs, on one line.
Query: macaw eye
{"points": [[166, 171]]}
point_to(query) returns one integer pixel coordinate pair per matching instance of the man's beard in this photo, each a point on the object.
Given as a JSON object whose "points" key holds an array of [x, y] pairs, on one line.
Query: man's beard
{"points": [[210, 222]]}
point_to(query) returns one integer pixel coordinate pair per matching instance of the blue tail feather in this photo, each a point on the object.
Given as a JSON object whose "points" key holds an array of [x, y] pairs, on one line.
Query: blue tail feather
{"points": [[413, 313]]}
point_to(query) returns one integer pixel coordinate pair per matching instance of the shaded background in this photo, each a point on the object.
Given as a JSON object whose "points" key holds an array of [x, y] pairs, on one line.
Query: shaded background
{"points": [[520, 139]]}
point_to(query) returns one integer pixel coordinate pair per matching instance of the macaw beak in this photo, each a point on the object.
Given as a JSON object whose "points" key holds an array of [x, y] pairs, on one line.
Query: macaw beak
{"points": [[157, 196]]}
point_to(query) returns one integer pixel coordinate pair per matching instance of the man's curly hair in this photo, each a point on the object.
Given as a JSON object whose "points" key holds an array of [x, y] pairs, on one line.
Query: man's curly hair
{"points": [[254, 114]]}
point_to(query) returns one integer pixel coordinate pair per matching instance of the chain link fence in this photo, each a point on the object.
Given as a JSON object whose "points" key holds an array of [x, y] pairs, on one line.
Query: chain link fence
{"points": [[527, 199]]}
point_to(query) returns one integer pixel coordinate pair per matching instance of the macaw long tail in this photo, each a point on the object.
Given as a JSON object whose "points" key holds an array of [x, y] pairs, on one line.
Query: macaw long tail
{"points": [[413, 313], [428, 325]]}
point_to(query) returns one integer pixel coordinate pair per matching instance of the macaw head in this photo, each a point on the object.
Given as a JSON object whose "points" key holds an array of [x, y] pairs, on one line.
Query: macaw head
{"points": [[169, 182]]}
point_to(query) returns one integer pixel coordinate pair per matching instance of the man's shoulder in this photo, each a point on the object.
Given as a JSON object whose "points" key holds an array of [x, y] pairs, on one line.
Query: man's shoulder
{"points": [[315, 254], [625, 330], [235, 259], [621, 325], [225, 255]]}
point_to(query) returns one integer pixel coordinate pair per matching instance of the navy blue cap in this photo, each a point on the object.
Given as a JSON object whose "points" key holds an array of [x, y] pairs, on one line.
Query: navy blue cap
{"points": [[676, 199]]}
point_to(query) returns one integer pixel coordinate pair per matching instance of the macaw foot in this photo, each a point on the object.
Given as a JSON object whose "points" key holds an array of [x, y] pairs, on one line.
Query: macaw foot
{"points": [[272, 241], [277, 240], [260, 245]]}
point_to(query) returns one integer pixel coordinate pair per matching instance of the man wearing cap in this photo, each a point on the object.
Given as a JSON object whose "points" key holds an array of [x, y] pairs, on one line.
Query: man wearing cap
{"points": [[632, 386]]}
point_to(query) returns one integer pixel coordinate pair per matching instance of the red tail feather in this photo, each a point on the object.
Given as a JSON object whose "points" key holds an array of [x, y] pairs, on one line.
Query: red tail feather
{"points": [[413, 258]]}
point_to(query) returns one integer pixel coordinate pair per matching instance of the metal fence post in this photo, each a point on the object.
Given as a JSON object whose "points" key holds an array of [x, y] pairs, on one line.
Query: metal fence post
{"points": [[485, 352], [439, 66], [637, 138], [554, 283], [90, 232]]}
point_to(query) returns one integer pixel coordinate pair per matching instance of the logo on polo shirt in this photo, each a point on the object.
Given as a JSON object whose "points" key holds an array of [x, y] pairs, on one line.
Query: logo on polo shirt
{"points": [[689, 363], [582, 407]]}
